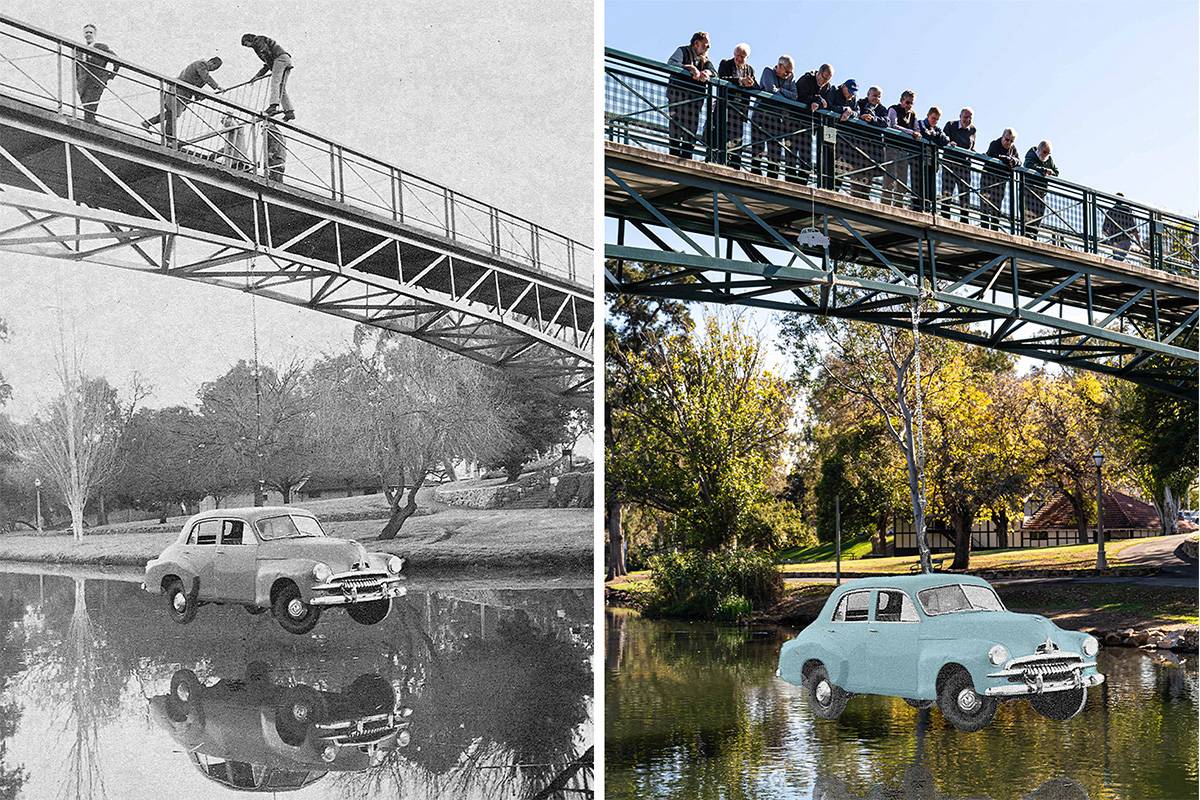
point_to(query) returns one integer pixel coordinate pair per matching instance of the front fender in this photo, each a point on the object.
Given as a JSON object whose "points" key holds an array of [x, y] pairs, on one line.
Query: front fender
{"points": [[968, 653], [297, 570]]}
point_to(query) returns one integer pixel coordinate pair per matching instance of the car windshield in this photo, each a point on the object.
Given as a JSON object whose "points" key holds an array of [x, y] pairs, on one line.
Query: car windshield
{"points": [[289, 526], [958, 597]]}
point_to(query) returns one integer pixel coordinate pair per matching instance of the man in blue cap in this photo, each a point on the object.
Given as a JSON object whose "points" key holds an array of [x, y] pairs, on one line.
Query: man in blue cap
{"points": [[844, 103]]}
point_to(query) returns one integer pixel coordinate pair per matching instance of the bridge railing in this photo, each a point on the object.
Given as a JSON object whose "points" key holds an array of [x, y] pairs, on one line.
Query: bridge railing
{"points": [[228, 129], [657, 107]]}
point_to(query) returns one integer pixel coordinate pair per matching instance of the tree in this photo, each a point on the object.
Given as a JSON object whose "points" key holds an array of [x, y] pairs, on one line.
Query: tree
{"points": [[632, 320], [74, 441], [1162, 433], [705, 424], [398, 408], [164, 460], [538, 421]]}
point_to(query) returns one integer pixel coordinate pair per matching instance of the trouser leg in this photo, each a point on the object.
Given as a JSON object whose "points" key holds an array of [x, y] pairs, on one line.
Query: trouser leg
{"points": [[89, 96]]}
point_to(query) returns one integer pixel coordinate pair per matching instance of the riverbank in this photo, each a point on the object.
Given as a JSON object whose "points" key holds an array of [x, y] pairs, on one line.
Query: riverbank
{"points": [[538, 540]]}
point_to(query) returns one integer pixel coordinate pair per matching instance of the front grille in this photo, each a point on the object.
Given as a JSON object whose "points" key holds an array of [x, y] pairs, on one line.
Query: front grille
{"points": [[361, 581], [1054, 667]]}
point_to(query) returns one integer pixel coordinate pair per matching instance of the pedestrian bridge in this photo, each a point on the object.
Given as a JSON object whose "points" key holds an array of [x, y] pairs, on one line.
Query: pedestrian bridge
{"points": [[336, 231], [847, 220]]}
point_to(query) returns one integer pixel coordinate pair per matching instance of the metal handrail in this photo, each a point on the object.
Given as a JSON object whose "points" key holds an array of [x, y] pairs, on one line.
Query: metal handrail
{"points": [[1053, 209], [340, 172]]}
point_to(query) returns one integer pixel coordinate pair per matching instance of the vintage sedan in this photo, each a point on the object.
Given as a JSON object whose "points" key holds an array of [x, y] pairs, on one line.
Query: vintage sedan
{"points": [[938, 638], [277, 559]]}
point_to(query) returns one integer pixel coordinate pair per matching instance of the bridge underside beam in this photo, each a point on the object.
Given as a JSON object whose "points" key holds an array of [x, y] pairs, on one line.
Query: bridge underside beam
{"points": [[95, 202], [734, 240]]}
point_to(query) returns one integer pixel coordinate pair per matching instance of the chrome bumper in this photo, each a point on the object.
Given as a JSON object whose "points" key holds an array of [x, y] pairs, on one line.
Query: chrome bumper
{"points": [[340, 595], [1039, 686]]}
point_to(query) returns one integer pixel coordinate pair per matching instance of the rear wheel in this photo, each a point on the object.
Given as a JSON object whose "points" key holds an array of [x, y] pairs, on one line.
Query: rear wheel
{"points": [[294, 615], [369, 613], [180, 605], [295, 714], [1059, 705], [186, 691], [965, 708], [826, 700]]}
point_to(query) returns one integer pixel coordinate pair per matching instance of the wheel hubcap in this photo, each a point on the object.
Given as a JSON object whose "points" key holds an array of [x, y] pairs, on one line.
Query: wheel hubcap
{"points": [[295, 608], [179, 602], [182, 692], [968, 700], [823, 693], [300, 711]]}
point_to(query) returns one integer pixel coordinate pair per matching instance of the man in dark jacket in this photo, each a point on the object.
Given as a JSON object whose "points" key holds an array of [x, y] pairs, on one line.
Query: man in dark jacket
{"points": [[93, 71], [736, 101], [996, 180], [813, 89], [868, 148], [1038, 165], [196, 73], [898, 186], [956, 172], [278, 63], [843, 101], [685, 93], [768, 125]]}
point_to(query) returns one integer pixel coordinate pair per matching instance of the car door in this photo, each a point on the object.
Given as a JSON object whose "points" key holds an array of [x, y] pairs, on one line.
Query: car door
{"points": [[848, 631], [893, 633], [201, 551], [235, 561]]}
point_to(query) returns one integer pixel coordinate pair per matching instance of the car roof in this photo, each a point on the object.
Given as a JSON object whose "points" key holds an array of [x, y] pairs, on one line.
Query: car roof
{"points": [[912, 583], [250, 513]]}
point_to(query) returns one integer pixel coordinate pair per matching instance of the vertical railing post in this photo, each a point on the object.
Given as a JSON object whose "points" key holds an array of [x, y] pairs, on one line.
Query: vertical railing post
{"points": [[1156, 228], [446, 212], [1017, 209], [395, 184], [59, 100], [933, 156], [341, 174], [332, 171], [719, 128], [1090, 242]]}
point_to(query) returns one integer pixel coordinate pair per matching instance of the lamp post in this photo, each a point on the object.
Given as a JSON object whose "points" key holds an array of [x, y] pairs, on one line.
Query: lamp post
{"points": [[1098, 460], [37, 486]]}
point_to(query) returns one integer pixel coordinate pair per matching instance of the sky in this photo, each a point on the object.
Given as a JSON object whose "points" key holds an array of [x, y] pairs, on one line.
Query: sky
{"points": [[1112, 84], [452, 90]]}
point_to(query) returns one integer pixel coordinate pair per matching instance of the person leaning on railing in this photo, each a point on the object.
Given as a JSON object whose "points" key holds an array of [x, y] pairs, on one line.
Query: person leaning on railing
{"points": [[767, 140], [997, 176], [277, 63], [843, 101], [901, 117], [956, 173], [870, 151], [93, 71], [813, 89], [685, 93], [196, 74], [932, 133], [1039, 162], [736, 70]]}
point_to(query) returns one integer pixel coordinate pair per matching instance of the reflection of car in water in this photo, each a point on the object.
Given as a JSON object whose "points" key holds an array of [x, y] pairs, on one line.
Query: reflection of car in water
{"points": [[272, 558], [938, 638], [255, 735]]}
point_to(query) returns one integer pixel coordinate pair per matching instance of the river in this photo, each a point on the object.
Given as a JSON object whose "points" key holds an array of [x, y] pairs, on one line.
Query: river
{"points": [[466, 690], [694, 710]]}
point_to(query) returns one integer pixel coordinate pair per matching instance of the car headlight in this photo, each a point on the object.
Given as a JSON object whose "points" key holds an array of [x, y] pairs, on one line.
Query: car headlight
{"points": [[1091, 646], [395, 564], [403, 739], [998, 654], [329, 753], [321, 572]]}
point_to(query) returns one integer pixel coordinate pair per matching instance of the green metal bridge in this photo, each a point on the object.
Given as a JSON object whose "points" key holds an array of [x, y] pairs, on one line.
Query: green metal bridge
{"points": [[229, 197], [742, 198]]}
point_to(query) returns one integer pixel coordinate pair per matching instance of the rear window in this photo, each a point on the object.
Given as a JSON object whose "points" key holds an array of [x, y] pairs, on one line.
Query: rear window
{"points": [[233, 532]]}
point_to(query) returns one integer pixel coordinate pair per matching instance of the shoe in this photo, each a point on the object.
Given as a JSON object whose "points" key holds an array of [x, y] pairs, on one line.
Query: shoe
{"points": [[271, 110], [288, 116]]}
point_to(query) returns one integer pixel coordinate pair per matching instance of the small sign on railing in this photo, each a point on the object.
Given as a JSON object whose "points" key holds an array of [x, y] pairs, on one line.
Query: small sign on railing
{"points": [[830, 136]]}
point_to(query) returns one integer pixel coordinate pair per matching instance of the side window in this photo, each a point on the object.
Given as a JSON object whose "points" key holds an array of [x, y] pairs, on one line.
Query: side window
{"points": [[893, 605], [232, 531], [853, 607], [205, 532]]}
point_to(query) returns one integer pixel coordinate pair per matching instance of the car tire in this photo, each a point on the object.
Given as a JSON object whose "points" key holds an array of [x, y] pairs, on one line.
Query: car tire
{"points": [[370, 613], [372, 694], [297, 711], [255, 610], [826, 700], [919, 704], [180, 605], [962, 706], [294, 615], [185, 697], [1060, 706]]}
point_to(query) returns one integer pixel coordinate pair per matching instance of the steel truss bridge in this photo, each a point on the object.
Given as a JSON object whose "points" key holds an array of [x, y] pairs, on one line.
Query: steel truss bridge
{"points": [[730, 192], [229, 197]]}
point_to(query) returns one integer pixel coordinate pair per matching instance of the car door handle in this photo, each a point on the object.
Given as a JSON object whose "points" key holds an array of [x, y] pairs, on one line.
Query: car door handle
{"points": [[872, 630]]}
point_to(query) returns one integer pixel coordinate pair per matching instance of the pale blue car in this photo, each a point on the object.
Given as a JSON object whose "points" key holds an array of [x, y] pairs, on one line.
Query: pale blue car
{"points": [[938, 638]]}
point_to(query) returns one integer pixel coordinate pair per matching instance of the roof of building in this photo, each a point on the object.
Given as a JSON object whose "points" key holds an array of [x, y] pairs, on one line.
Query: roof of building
{"points": [[1120, 512]]}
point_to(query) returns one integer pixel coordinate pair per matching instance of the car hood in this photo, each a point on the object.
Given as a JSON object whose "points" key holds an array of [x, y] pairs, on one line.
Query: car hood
{"points": [[1020, 633], [339, 554]]}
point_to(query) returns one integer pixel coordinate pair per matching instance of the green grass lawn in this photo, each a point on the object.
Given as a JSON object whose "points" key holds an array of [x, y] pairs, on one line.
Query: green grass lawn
{"points": [[854, 547]]}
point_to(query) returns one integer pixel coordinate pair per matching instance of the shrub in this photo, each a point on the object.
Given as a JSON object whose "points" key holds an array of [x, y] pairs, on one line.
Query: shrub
{"points": [[776, 525], [696, 584]]}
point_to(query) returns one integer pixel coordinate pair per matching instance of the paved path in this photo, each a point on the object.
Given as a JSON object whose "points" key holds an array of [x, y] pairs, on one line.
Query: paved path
{"points": [[1158, 552]]}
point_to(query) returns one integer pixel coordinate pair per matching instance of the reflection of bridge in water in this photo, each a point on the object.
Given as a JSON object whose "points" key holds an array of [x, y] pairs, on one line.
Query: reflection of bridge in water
{"points": [[1033, 266], [338, 231]]}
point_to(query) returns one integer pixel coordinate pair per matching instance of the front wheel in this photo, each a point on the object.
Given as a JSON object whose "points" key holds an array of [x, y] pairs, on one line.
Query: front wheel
{"points": [[826, 700], [1059, 705], [184, 699], [294, 615], [299, 708], [965, 708], [371, 612], [180, 605]]}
